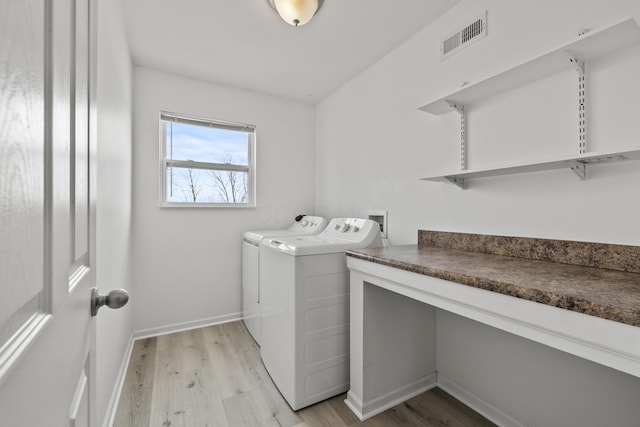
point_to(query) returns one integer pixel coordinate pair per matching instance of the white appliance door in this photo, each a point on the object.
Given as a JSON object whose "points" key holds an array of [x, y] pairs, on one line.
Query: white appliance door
{"points": [[47, 205]]}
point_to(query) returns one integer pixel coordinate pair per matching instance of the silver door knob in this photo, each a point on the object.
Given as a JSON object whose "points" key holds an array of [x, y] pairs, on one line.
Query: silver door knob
{"points": [[114, 299]]}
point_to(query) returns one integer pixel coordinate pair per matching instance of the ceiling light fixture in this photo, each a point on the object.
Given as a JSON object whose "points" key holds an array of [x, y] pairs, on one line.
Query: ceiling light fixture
{"points": [[296, 12]]}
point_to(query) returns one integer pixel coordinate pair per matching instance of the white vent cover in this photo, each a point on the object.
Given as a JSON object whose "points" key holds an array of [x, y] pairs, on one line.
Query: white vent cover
{"points": [[464, 37]]}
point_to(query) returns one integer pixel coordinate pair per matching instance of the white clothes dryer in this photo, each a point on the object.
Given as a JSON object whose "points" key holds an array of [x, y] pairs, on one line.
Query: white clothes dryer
{"points": [[303, 225], [305, 309]]}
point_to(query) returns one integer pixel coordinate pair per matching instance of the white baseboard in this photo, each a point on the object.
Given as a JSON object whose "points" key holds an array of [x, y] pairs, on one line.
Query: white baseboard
{"points": [[185, 326], [391, 399], [354, 403], [395, 397], [117, 390], [476, 403]]}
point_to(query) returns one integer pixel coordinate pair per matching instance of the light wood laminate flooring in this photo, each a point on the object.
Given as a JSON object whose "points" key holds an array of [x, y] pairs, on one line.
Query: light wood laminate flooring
{"points": [[213, 376]]}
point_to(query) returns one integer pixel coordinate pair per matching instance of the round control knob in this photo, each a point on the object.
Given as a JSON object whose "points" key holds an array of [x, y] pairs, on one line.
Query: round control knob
{"points": [[344, 228]]}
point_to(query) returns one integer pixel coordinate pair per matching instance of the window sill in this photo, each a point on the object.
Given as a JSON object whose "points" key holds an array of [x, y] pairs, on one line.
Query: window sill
{"points": [[208, 205]]}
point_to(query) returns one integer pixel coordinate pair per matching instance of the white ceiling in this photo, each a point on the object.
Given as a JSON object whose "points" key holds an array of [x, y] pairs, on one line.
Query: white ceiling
{"points": [[244, 43]]}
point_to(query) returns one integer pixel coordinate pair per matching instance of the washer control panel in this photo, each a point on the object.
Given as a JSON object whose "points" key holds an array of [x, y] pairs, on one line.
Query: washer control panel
{"points": [[354, 229]]}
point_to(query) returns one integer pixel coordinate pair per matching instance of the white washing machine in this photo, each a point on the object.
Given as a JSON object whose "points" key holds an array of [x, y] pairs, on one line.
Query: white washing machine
{"points": [[305, 309], [303, 225]]}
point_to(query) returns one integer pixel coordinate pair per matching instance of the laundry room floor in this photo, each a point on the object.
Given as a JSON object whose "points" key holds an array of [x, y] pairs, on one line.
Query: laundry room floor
{"points": [[213, 376]]}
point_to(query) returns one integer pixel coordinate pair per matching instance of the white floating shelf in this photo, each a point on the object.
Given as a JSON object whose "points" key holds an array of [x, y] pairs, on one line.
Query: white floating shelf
{"points": [[589, 46], [576, 163]]}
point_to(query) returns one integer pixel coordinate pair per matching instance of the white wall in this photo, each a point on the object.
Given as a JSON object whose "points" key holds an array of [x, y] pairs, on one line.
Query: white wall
{"points": [[114, 327], [187, 260], [373, 145]]}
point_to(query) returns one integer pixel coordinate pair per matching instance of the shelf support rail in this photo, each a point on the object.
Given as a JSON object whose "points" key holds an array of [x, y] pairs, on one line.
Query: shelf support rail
{"points": [[460, 109], [581, 68]]}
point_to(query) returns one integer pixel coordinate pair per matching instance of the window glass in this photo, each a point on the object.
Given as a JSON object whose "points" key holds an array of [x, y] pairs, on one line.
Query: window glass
{"points": [[188, 185], [207, 144]]}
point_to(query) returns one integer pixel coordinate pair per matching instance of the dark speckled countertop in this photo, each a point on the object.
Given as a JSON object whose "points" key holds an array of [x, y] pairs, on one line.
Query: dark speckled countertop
{"points": [[596, 279]]}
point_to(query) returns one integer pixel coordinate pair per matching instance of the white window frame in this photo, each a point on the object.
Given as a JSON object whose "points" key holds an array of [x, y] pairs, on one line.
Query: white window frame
{"points": [[165, 161]]}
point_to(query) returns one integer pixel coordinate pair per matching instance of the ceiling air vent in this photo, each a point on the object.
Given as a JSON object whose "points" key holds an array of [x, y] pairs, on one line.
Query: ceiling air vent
{"points": [[464, 37]]}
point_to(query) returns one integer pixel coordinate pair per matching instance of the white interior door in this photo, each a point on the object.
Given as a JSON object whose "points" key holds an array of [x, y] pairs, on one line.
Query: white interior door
{"points": [[47, 211]]}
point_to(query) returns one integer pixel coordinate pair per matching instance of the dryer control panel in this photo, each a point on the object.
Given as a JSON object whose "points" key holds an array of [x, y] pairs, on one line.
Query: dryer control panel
{"points": [[309, 224]]}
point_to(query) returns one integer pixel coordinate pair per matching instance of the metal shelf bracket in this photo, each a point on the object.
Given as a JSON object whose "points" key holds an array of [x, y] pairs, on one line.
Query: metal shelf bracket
{"points": [[580, 169], [577, 63], [460, 182]]}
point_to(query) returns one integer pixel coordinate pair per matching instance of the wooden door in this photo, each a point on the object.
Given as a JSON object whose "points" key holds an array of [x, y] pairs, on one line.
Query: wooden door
{"points": [[47, 212]]}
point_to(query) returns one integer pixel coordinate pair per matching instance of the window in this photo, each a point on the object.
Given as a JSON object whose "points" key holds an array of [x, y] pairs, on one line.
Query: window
{"points": [[206, 162]]}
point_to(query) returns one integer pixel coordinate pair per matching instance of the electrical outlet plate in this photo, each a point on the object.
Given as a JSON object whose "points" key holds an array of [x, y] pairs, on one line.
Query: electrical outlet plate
{"points": [[381, 218]]}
